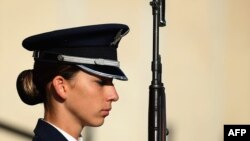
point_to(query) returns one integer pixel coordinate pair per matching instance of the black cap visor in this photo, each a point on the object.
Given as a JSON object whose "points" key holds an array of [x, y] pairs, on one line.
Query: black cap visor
{"points": [[105, 71]]}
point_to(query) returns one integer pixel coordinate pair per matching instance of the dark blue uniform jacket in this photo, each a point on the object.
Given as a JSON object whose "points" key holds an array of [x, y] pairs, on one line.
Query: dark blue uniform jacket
{"points": [[46, 132]]}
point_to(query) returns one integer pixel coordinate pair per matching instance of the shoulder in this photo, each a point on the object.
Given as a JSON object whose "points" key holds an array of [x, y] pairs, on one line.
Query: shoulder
{"points": [[37, 138]]}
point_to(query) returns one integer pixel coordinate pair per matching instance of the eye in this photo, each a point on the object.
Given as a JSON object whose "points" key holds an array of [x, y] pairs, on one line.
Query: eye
{"points": [[101, 82], [105, 81]]}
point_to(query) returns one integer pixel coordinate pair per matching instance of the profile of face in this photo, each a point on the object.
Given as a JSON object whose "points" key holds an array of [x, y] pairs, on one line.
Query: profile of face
{"points": [[87, 98]]}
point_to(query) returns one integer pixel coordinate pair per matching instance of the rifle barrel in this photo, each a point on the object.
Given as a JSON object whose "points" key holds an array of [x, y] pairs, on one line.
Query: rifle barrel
{"points": [[157, 111]]}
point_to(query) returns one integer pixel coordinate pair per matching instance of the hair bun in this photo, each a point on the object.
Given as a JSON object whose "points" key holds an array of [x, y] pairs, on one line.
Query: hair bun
{"points": [[26, 89]]}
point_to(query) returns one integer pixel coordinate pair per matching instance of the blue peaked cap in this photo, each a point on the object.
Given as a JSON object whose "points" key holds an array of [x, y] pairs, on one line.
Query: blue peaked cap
{"points": [[93, 48]]}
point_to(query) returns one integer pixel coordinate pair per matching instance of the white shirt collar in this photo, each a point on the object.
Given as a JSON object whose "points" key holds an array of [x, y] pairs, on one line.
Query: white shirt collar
{"points": [[65, 134]]}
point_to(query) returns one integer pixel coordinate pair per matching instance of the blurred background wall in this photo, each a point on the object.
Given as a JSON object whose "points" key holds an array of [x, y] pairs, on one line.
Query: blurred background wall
{"points": [[205, 54]]}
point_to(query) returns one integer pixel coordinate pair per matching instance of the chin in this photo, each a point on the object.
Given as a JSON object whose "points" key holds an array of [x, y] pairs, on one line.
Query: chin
{"points": [[96, 123]]}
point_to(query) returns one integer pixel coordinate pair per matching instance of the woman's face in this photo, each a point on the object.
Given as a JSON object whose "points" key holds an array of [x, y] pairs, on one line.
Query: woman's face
{"points": [[90, 97]]}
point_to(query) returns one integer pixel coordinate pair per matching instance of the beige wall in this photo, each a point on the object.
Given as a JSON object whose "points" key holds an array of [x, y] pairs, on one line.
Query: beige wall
{"points": [[205, 55]]}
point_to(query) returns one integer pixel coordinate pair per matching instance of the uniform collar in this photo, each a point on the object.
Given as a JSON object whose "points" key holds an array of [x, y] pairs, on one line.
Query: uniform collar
{"points": [[45, 131], [65, 134]]}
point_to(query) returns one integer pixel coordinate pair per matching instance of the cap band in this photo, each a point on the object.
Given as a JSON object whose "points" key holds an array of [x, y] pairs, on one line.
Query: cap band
{"points": [[81, 60], [73, 59]]}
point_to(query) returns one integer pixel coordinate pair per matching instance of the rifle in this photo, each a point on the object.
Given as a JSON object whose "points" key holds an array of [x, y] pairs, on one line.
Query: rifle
{"points": [[157, 130]]}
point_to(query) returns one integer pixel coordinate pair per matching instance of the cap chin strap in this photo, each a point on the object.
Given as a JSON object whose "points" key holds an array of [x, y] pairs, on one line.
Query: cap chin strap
{"points": [[77, 60]]}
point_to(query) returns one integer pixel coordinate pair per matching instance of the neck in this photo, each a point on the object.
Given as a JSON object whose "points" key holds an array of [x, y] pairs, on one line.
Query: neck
{"points": [[60, 118]]}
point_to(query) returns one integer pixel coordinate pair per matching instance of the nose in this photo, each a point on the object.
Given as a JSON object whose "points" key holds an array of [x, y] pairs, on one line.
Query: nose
{"points": [[112, 94]]}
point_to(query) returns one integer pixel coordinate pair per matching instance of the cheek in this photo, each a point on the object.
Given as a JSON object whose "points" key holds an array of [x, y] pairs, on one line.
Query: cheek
{"points": [[83, 99], [89, 111], [88, 97], [85, 103]]}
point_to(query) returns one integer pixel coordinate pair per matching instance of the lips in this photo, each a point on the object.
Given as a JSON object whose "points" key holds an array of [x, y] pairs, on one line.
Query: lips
{"points": [[105, 112]]}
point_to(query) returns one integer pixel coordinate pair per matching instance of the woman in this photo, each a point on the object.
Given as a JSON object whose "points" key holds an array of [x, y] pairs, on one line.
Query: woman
{"points": [[72, 75]]}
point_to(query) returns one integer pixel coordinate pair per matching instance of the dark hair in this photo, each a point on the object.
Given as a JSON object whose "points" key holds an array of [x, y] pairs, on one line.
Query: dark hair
{"points": [[31, 84]]}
